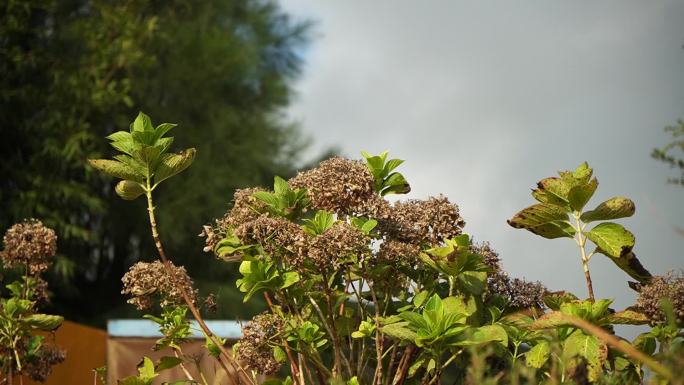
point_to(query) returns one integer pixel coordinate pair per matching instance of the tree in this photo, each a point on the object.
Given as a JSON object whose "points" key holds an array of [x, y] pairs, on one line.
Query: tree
{"points": [[75, 70], [666, 155]]}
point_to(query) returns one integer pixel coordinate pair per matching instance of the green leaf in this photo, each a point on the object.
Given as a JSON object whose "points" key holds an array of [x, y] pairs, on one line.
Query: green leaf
{"points": [[550, 320], [44, 322], [289, 279], [399, 330], [213, 349], [142, 123], [485, 334], [116, 169], [172, 164], [538, 355], [612, 239], [580, 194], [613, 208], [129, 190], [588, 347], [279, 354], [167, 362], [631, 265], [162, 129], [626, 317], [546, 220], [646, 342], [146, 370]]}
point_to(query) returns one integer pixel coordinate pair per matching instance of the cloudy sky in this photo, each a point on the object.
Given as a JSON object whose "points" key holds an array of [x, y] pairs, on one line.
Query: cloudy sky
{"points": [[483, 99]]}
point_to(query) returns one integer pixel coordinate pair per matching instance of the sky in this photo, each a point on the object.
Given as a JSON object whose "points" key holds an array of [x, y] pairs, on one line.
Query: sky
{"points": [[484, 98]]}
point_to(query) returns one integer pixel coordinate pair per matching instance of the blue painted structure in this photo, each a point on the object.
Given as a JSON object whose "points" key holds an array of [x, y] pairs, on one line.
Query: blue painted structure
{"points": [[143, 328]]}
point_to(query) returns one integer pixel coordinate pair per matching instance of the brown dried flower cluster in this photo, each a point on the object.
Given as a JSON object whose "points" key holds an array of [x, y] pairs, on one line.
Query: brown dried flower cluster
{"points": [[29, 244], [245, 209], [49, 355], [144, 281], [669, 286], [424, 222], [338, 185], [336, 244], [398, 252], [255, 348], [519, 293], [277, 236]]}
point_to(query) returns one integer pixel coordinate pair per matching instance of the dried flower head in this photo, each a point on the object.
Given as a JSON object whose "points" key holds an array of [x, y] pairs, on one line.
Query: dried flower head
{"points": [[29, 244], [393, 251], [519, 293], [336, 244], [670, 286], [48, 356], [278, 237], [337, 185], [419, 222], [145, 280], [255, 348], [245, 209]]}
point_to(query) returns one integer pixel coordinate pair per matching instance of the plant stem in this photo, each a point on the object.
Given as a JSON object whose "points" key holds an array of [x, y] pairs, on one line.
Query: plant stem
{"points": [[581, 243], [191, 305]]}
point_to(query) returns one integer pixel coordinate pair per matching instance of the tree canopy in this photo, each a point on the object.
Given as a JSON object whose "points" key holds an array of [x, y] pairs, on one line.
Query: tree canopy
{"points": [[74, 71]]}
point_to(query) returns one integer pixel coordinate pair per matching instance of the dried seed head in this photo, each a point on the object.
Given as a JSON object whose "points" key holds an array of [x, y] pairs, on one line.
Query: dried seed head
{"points": [[144, 281], [392, 251], [49, 355], [255, 348], [245, 209], [330, 249], [337, 185], [670, 286], [29, 244], [519, 293], [278, 237], [424, 222]]}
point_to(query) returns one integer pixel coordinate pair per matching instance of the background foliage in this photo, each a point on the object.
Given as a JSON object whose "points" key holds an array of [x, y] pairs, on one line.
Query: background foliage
{"points": [[72, 72]]}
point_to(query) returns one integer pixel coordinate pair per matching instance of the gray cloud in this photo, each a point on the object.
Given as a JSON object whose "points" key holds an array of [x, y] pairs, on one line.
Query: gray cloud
{"points": [[485, 98]]}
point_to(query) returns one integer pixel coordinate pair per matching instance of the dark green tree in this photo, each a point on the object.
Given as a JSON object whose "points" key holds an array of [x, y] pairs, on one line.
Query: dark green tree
{"points": [[73, 71]]}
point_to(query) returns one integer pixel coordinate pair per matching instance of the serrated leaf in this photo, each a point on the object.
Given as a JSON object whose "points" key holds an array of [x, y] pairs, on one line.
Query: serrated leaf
{"points": [[549, 321], [556, 189], [546, 220], [116, 169], [626, 317], [612, 239], [128, 189], [538, 355], [172, 164], [46, 322], [630, 265], [613, 208], [579, 195]]}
